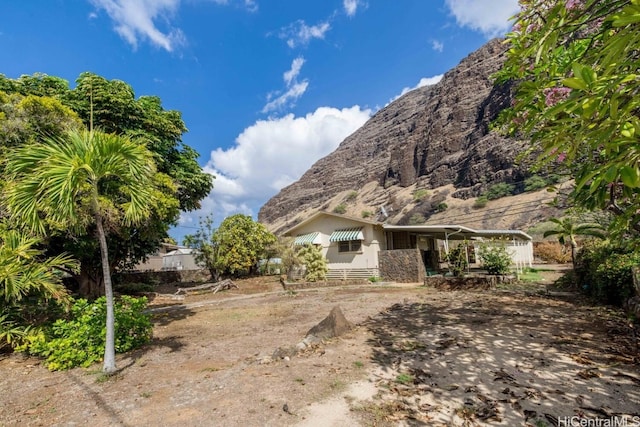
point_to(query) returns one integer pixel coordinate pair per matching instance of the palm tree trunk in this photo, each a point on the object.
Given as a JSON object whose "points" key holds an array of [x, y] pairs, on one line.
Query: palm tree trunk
{"points": [[109, 366], [574, 251]]}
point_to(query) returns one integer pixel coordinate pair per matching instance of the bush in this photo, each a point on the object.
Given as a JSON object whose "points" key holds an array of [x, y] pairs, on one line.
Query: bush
{"points": [[80, 339], [352, 196], [340, 209], [420, 194], [552, 252], [133, 288], [534, 183], [499, 190], [315, 263], [457, 260], [366, 214], [480, 202], [603, 272], [495, 258], [442, 207]]}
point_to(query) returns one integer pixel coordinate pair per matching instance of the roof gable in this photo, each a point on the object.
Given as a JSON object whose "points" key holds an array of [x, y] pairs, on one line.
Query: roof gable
{"points": [[315, 216]]}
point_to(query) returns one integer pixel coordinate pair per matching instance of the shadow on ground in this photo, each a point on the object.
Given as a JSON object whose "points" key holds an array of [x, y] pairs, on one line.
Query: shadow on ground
{"points": [[502, 359]]}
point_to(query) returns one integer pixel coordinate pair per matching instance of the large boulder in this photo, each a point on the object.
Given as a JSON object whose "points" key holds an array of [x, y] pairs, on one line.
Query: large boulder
{"points": [[334, 325]]}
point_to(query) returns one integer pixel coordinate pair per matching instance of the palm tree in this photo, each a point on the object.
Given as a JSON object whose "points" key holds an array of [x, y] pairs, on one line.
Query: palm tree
{"points": [[79, 179], [567, 229], [24, 271]]}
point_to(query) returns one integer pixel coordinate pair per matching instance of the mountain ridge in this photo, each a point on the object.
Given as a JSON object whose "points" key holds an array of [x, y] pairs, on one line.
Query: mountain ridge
{"points": [[435, 139]]}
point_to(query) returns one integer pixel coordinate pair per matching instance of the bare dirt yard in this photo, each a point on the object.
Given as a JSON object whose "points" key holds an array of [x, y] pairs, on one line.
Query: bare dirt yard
{"points": [[417, 356]]}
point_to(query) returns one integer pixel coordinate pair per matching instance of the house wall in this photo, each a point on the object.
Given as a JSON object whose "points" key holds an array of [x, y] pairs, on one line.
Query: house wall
{"points": [[366, 258], [180, 262]]}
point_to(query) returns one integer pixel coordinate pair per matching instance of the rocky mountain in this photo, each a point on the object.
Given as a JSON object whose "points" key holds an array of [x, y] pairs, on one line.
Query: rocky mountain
{"points": [[424, 157]]}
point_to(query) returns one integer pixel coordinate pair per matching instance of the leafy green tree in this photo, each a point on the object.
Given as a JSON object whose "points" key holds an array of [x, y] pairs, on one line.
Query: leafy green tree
{"points": [[35, 104], [575, 64], [567, 229], [234, 247], [81, 179], [316, 265]]}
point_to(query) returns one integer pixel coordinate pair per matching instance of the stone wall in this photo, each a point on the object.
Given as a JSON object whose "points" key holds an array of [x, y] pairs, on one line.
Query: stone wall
{"points": [[401, 265], [168, 276]]}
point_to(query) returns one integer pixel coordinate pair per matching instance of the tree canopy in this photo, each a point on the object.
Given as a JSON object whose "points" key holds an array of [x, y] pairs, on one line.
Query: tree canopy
{"points": [[40, 106], [576, 64], [234, 247]]}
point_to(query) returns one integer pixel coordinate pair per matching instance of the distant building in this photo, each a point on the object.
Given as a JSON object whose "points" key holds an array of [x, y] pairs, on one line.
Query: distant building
{"points": [[169, 257]]}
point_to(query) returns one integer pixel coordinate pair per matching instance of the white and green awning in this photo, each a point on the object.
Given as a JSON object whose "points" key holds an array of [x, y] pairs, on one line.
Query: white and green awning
{"points": [[347, 234], [310, 238]]}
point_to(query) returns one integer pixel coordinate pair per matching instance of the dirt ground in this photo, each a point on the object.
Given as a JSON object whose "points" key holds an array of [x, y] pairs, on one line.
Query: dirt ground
{"points": [[513, 356]]}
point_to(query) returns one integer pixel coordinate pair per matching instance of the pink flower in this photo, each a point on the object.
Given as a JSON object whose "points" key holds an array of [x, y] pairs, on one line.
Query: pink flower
{"points": [[574, 4], [561, 157], [553, 95]]}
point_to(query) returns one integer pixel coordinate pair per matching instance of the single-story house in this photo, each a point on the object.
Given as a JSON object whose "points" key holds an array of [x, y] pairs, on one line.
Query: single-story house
{"points": [[360, 248]]}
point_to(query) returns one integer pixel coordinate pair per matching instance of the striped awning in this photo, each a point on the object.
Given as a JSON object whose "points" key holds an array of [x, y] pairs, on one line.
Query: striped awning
{"points": [[311, 238], [347, 234]]}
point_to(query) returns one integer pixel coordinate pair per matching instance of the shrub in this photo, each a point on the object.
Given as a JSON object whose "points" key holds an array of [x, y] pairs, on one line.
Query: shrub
{"points": [[366, 214], [80, 339], [420, 194], [480, 202], [442, 207], [457, 260], [495, 258], [133, 288], [534, 183], [315, 263], [499, 190], [340, 209], [603, 272], [552, 252], [352, 196]]}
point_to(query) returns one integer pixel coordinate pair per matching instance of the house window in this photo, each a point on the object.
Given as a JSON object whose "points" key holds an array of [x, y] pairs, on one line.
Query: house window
{"points": [[350, 246]]}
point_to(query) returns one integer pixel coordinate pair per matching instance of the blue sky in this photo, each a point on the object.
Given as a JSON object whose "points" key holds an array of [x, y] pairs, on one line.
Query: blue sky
{"points": [[266, 87]]}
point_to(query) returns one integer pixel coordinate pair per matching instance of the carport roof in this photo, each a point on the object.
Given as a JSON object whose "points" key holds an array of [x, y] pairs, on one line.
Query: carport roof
{"points": [[457, 232]]}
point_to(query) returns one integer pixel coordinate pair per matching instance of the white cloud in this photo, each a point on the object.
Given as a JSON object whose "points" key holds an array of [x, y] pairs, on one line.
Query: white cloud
{"points": [[271, 154], [436, 45], [350, 7], [292, 74], [425, 81], [135, 20], [294, 88], [300, 34], [490, 17]]}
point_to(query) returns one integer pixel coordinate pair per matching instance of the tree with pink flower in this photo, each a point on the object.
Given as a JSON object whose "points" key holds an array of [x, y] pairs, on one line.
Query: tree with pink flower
{"points": [[578, 97]]}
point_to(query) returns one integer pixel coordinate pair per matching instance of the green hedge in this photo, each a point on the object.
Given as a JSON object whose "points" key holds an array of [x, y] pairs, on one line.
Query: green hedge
{"points": [[604, 272]]}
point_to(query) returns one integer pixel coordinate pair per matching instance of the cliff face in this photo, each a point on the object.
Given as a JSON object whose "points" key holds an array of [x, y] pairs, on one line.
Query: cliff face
{"points": [[435, 137]]}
